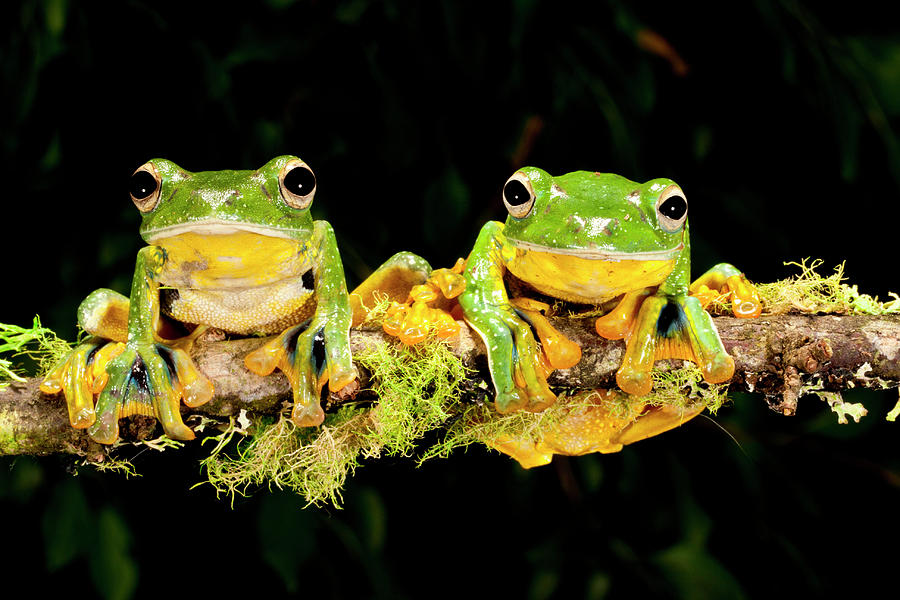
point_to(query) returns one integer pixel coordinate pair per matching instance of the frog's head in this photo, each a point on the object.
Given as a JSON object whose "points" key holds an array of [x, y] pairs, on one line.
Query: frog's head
{"points": [[273, 200], [595, 215]]}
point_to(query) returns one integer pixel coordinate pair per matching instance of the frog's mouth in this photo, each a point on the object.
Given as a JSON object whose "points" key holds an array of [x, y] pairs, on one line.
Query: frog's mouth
{"points": [[589, 275], [218, 227], [601, 254]]}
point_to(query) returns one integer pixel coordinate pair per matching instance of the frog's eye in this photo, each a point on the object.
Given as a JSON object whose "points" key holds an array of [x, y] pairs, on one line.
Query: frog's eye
{"points": [[518, 195], [145, 188], [298, 184], [671, 209]]}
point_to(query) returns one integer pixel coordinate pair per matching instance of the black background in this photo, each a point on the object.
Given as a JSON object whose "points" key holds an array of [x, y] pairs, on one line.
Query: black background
{"points": [[781, 130]]}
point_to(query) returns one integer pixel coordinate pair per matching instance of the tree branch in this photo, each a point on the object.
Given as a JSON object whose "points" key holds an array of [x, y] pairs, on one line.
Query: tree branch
{"points": [[774, 355]]}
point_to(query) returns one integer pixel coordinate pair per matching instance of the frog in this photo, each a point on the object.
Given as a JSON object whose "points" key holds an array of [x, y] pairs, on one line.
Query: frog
{"points": [[595, 239], [231, 250], [598, 239]]}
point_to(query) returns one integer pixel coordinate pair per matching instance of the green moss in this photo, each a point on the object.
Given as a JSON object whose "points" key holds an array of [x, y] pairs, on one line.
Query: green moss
{"points": [[810, 292], [114, 465], [415, 387], [481, 424], [8, 443], [314, 463], [37, 342]]}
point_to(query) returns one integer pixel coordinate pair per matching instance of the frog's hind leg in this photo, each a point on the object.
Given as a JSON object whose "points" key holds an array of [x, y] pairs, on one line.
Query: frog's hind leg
{"points": [[672, 328], [87, 371], [81, 374], [727, 282], [393, 279]]}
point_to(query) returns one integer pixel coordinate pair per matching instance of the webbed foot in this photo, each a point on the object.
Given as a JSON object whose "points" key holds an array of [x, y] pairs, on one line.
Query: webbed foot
{"points": [[81, 375], [726, 285], [520, 365], [672, 327], [105, 379], [149, 378], [428, 308], [310, 355]]}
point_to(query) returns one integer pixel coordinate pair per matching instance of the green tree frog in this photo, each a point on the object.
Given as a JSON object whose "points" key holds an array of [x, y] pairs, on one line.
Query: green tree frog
{"points": [[233, 250], [593, 239], [599, 239]]}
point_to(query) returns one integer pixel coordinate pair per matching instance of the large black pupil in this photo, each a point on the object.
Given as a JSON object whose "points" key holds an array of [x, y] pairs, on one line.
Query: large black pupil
{"points": [[516, 193], [673, 207], [300, 181], [142, 185]]}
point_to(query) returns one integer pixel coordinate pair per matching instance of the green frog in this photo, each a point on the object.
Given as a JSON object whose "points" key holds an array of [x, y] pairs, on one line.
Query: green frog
{"points": [[594, 239], [232, 250]]}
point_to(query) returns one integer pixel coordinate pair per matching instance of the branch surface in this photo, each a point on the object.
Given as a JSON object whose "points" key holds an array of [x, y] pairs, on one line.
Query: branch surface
{"points": [[774, 355]]}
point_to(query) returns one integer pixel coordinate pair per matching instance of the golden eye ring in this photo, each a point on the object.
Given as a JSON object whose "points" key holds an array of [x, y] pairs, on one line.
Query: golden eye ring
{"points": [[671, 209], [145, 187], [518, 195], [297, 183]]}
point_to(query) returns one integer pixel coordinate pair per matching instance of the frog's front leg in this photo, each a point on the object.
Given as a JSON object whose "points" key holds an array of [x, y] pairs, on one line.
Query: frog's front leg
{"points": [[151, 375], [514, 357], [318, 351]]}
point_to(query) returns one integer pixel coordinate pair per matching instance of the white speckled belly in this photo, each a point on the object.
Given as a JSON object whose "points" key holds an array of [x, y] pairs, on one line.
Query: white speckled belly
{"points": [[241, 282], [264, 309]]}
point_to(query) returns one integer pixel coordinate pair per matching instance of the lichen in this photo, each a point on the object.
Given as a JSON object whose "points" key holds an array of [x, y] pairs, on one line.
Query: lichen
{"points": [[835, 400], [894, 412]]}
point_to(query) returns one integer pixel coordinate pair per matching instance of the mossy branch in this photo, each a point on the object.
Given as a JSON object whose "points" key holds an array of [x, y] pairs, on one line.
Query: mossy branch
{"points": [[781, 357]]}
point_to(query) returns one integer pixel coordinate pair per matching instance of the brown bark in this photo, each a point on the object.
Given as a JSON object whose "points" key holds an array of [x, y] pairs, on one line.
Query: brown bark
{"points": [[774, 356]]}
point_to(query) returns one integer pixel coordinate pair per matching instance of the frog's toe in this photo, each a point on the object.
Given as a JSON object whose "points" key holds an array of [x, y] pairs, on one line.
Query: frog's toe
{"points": [[534, 389], [81, 375], [414, 323], [196, 388], [105, 429], [718, 369], [307, 412], [146, 380], [507, 401], [636, 382], [745, 300], [302, 353]]}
